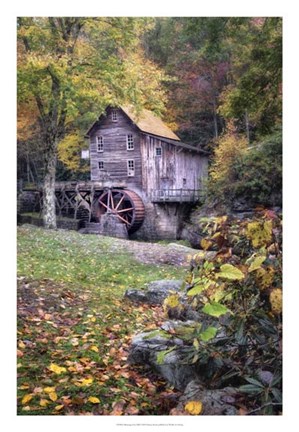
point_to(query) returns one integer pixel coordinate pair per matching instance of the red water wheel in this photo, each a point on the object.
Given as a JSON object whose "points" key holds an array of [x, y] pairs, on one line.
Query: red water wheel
{"points": [[126, 205]]}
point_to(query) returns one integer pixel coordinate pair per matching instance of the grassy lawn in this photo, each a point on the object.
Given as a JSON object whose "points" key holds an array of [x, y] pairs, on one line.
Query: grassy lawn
{"points": [[74, 327]]}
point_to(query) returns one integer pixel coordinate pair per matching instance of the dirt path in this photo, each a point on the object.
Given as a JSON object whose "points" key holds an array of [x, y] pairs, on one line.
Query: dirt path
{"points": [[155, 253]]}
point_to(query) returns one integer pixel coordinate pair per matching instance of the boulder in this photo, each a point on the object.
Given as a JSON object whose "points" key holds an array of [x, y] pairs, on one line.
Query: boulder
{"points": [[214, 402], [155, 293], [147, 348]]}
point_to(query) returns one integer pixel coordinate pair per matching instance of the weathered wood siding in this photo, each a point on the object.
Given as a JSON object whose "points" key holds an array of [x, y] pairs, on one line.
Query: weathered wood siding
{"points": [[176, 168], [115, 154]]}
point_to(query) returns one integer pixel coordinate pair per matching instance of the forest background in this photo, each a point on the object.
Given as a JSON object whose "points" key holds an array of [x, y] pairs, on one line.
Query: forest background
{"points": [[290, 35]]}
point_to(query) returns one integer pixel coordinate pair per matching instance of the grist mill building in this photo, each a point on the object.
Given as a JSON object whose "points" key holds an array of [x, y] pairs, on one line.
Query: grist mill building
{"points": [[137, 155], [141, 175]]}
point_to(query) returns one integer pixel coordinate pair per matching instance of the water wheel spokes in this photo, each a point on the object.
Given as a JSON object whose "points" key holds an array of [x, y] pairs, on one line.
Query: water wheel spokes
{"points": [[126, 205]]}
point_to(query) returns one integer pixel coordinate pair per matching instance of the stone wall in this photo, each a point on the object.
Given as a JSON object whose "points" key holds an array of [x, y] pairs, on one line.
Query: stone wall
{"points": [[28, 202], [162, 221], [69, 224]]}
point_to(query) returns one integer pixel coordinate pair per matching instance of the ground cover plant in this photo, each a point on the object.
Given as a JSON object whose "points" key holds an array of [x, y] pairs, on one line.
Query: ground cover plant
{"points": [[74, 328]]}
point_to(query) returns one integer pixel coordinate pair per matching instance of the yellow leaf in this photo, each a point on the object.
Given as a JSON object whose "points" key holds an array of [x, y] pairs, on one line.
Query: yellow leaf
{"points": [[24, 387], [26, 408], [84, 382], [256, 263], [53, 396], [93, 319], [276, 301], [44, 402], [26, 399], [93, 399], [194, 407], [56, 369], [21, 344], [49, 389], [94, 348], [205, 244], [171, 301], [59, 407]]}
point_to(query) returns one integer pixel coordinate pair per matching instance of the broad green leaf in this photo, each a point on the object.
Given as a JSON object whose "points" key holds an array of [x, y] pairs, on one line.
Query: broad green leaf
{"points": [[250, 389], [208, 333], [228, 271], [256, 263], [254, 382], [215, 309], [195, 290], [161, 355]]}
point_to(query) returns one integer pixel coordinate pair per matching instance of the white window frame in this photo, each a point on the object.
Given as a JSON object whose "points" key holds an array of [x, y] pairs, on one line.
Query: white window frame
{"points": [[100, 144], [160, 151], [130, 142], [101, 165], [114, 115], [131, 168]]}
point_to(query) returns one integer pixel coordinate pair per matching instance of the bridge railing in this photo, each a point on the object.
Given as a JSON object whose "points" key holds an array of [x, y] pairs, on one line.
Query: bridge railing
{"points": [[176, 195]]}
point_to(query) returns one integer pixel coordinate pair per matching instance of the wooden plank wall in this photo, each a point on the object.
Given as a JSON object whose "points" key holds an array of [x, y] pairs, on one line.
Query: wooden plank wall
{"points": [[176, 168], [115, 154]]}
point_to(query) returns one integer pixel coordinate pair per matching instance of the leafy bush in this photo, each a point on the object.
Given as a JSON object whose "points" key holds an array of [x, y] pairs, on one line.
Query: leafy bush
{"points": [[239, 288], [251, 175], [258, 175]]}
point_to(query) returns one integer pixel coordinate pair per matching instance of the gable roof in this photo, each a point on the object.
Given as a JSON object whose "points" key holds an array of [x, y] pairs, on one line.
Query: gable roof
{"points": [[148, 122]]}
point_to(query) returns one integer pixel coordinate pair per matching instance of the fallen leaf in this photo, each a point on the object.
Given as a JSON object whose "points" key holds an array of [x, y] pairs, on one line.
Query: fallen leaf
{"points": [[49, 389], [194, 407], [24, 387], [94, 399], [131, 410], [26, 399], [44, 402], [37, 390], [53, 396], [94, 348], [59, 407], [84, 382], [56, 369], [20, 353], [21, 344], [118, 408]]}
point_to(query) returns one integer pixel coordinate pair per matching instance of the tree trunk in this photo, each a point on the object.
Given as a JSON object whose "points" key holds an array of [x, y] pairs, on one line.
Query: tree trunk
{"points": [[216, 134], [247, 126], [49, 211]]}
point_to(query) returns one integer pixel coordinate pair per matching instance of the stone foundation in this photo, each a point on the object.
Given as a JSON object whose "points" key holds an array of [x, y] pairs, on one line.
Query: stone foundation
{"points": [[162, 221]]}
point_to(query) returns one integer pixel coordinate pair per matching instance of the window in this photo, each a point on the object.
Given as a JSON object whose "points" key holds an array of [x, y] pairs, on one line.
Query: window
{"points": [[114, 115], [158, 151], [131, 168], [100, 144], [130, 142], [101, 165], [85, 154]]}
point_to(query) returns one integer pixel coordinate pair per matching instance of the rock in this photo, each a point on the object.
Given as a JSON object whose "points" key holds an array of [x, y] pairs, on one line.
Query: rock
{"points": [[110, 225], [194, 238], [145, 349], [215, 402], [155, 293]]}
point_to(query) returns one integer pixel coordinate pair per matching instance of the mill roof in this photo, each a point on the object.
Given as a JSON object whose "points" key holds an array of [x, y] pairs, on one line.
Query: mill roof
{"points": [[148, 122]]}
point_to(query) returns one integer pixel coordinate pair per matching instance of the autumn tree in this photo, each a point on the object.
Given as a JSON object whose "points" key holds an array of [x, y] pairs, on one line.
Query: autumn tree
{"points": [[71, 68]]}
